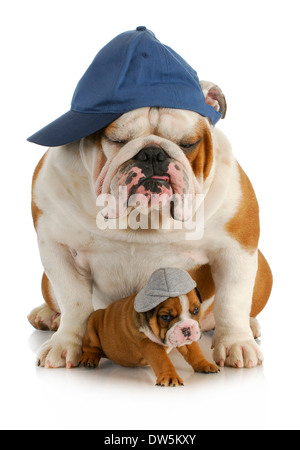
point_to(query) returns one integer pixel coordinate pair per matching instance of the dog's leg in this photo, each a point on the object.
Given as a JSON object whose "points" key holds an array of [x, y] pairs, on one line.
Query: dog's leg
{"points": [[255, 327], [74, 297], [157, 358], [208, 322], [194, 357], [234, 272], [261, 293], [47, 316]]}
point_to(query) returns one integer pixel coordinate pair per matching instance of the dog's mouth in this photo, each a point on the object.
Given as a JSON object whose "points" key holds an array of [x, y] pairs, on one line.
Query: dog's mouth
{"points": [[135, 185], [165, 178], [152, 186]]}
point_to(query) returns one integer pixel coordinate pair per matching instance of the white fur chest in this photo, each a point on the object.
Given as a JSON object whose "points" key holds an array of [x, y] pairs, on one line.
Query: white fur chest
{"points": [[120, 262], [120, 269]]}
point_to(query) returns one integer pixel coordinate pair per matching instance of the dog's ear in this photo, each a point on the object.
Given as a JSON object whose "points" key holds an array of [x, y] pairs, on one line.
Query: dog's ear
{"points": [[214, 97], [198, 294]]}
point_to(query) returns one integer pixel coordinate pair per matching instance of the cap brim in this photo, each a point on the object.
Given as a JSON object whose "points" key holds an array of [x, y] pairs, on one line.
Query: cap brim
{"points": [[72, 126]]}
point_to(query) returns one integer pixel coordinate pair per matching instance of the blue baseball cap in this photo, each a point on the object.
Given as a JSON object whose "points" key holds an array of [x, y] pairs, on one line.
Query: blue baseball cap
{"points": [[132, 71]]}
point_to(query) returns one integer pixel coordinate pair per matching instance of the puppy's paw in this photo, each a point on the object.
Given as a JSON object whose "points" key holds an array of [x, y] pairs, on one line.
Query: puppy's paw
{"points": [[90, 360], [206, 367], [169, 379], [60, 351]]}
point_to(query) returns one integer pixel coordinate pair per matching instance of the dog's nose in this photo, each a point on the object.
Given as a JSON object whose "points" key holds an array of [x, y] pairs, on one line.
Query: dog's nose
{"points": [[151, 155], [186, 332]]}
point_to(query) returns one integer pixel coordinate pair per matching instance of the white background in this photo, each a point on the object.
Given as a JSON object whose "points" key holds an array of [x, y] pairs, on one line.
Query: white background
{"points": [[250, 49]]}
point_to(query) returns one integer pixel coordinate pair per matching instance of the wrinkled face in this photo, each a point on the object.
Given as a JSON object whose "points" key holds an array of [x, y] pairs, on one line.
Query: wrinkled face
{"points": [[155, 152], [176, 321]]}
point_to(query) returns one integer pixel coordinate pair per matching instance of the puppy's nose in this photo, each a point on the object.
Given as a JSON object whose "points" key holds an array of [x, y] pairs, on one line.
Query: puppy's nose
{"points": [[186, 332], [151, 155]]}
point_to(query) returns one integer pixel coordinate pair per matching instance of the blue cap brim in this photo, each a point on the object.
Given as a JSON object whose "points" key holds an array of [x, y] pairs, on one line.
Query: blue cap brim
{"points": [[71, 127]]}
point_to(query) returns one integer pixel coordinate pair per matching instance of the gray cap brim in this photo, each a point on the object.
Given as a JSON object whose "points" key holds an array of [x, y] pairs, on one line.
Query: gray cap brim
{"points": [[163, 283]]}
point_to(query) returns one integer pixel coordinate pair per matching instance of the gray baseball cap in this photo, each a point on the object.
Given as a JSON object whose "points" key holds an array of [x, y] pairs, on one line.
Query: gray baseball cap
{"points": [[163, 283]]}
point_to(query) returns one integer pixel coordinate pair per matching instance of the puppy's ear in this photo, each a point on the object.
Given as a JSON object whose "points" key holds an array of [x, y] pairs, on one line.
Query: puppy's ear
{"points": [[214, 97], [141, 320], [198, 295]]}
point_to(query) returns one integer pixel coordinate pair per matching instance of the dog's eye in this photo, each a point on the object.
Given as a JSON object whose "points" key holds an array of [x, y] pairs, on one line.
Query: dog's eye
{"points": [[115, 141], [196, 311], [166, 317], [187, 146], [118, 142]]}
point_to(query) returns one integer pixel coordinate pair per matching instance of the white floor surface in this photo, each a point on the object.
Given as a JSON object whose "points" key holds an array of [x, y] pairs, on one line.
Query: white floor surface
{"points": [[248, 48], [113, 397]]}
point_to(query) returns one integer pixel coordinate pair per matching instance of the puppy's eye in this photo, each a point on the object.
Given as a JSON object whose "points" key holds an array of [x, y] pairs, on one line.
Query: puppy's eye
{"points": [[166, 317], [196, 311]]}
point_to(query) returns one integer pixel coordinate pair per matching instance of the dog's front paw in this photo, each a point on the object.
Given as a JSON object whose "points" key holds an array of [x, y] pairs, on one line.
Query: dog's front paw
{"points": [[241, 351], [60, 351], [169, 379]]}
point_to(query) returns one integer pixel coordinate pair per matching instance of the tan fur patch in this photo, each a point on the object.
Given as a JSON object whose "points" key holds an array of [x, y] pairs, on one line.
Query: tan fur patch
{"points": [[36, 212], [201, 158], [244, 226], [194, 302], [205, 283], [170, 306], [46, 291], [263, 286]]}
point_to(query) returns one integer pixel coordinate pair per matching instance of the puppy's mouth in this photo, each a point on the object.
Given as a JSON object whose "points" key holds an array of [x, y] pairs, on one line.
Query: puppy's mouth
{"points": [[183, 333]]}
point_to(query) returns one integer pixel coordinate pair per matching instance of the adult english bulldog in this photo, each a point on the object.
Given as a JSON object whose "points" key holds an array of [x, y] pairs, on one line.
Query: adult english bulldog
{"points": [[80, 260], [150, 150]]}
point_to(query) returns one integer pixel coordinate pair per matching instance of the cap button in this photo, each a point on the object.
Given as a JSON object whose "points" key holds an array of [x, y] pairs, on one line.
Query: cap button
{"points": [[141, 29]]}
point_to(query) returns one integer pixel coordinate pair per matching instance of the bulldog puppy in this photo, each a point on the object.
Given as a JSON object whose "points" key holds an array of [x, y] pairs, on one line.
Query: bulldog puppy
{"points": [[132, 336], [149, 151]]}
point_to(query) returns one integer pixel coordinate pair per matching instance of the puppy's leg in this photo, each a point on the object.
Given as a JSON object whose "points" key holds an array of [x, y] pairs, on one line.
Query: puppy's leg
{"points": [[157, 358], [92, 349], [194, 356], [74, 297]]}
